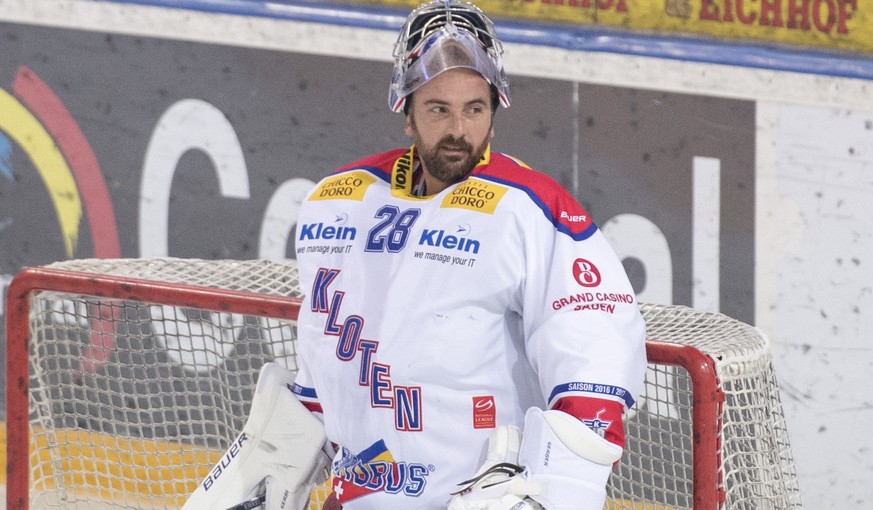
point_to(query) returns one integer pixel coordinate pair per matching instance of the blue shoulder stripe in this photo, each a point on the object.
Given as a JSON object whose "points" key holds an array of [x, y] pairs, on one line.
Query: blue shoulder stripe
{"points": [[547, 212]]}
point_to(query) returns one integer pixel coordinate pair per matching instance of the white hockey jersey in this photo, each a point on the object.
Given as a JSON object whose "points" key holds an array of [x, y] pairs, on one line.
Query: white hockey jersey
{"points": [[428, 321]]}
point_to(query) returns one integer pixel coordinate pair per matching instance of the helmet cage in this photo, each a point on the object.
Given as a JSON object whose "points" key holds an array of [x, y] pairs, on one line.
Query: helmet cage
{"points": [[443, 35]]}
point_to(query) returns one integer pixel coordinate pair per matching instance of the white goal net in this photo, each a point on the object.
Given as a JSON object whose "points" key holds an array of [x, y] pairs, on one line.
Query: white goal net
{"points": [[128, 378]]}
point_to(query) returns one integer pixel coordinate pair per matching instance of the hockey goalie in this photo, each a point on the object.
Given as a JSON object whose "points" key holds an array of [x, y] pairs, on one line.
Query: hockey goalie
{"points": [[468, 338]]}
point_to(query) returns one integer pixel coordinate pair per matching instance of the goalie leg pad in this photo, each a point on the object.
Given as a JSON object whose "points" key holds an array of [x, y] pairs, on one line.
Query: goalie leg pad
{"points": [[570, 462], [279, 450]]}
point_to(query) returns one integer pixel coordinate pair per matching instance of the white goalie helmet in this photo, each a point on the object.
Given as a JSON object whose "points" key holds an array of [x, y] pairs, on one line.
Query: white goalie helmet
{"points": [[443, 35]]}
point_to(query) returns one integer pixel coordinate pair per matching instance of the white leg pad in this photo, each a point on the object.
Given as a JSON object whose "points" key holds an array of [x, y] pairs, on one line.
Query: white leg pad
{"points": [[279, 446]]}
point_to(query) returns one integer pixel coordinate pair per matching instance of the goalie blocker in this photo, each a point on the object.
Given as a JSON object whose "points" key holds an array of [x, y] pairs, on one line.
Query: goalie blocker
{"points": [[560, 464], [275, 460]]}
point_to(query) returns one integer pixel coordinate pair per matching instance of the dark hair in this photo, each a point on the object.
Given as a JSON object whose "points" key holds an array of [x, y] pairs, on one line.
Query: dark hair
{"points": [[495, 100]]}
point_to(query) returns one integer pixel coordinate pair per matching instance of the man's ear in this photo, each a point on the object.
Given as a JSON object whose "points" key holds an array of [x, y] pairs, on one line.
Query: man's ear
{"points": [[409, 127]]}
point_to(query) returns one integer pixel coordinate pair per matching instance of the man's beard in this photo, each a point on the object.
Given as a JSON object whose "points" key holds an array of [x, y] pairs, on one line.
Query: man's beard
{"points": [[454, 167]]}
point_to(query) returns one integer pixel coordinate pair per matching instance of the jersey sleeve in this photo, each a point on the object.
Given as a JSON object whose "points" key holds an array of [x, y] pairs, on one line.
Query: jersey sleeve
{"points": [[585, 333], [304, 389]]}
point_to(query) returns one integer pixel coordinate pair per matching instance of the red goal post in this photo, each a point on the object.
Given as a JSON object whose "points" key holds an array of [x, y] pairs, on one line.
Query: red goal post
{"points": [[127, 379]]}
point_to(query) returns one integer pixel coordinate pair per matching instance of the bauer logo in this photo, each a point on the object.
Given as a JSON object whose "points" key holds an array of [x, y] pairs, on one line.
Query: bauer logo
{"points": [[573, 218], [222, 466], [586, 273], [344, 186], [475, 195]]}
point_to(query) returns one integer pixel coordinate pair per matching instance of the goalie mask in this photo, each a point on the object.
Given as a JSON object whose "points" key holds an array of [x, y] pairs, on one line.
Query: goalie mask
{"points": [[443, 35]]}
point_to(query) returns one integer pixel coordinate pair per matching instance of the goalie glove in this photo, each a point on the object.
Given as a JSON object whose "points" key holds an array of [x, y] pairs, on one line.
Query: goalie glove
{"points": [[566, 466], [279, 453], [498, 484]]}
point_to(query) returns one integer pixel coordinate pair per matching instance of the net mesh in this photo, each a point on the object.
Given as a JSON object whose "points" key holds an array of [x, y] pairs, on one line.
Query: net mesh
{"points": [[756, 470], [131, 402]]}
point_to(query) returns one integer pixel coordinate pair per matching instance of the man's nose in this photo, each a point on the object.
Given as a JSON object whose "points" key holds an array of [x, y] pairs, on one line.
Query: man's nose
{"points": [[458, 125]]}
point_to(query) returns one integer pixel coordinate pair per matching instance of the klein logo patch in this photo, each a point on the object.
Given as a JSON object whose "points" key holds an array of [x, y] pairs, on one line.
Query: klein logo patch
{"points": [[586, 273], [484, 412], [459, 240], [345, 186]]}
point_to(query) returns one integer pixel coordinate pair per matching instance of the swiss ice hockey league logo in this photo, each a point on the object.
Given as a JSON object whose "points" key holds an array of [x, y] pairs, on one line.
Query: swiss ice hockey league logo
{"points": [[586, 273], [484, 412]]}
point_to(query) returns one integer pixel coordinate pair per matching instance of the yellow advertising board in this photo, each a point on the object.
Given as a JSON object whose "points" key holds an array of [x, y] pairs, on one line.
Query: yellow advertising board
{"points": [[820, 24]]}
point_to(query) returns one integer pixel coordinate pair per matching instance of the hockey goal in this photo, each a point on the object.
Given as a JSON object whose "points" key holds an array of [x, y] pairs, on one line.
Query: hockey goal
{"points": [[128, 378]]}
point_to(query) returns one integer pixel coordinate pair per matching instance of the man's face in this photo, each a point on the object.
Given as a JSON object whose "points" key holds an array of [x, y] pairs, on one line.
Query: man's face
{"points": [[450, 122]]}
